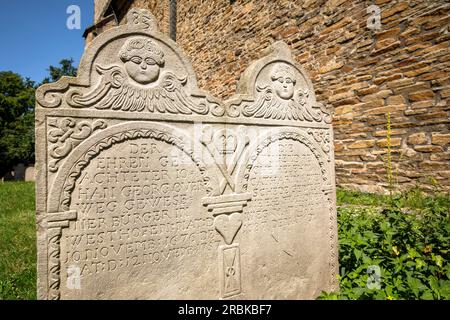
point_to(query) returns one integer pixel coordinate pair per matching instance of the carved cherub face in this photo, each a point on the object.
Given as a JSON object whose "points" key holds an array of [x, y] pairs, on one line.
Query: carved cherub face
{"points": [[283, 81], [143, 59]]}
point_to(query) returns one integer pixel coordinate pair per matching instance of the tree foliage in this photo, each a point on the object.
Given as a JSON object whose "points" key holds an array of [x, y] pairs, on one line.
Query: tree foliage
{"points": [[17, 114], [16, 120], [65, 68]]}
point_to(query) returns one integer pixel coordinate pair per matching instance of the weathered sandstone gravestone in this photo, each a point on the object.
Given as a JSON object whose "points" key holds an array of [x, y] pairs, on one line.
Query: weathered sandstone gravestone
{"points": [[148, 188]]}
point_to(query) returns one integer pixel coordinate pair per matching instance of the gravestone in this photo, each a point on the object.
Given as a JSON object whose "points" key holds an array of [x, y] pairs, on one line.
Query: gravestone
{"points": [[30, 173], [19, 172], [149, 188]]}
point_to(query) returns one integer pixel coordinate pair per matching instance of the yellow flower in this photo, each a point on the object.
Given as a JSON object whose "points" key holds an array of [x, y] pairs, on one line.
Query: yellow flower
{"points": [[396, 251], [427, 249], [390, 298]]}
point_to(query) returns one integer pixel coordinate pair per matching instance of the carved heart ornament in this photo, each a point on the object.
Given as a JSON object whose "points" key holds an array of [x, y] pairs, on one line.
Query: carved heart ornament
{"points": [[228, 226]]}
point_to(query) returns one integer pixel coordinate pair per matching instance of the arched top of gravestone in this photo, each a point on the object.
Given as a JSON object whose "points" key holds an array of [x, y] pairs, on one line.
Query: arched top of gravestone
{"points": [[275, 87], [132, 67], [136, 68]]}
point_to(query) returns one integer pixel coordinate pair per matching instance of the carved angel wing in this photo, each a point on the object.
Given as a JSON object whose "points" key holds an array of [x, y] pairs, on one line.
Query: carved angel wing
{"points": [[269, 106], [115, 92]]}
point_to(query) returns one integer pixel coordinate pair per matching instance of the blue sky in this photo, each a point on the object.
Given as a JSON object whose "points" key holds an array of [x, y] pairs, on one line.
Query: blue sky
{"points": [[34, 35]]}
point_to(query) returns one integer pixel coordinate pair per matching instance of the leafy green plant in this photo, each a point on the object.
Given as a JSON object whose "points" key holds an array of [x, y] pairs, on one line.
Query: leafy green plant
{"points": [[409, 240]]}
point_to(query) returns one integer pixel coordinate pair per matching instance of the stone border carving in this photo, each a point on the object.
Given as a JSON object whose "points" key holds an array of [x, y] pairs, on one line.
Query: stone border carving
{"points": [[55, 223], [334, 283], [54, 269]]}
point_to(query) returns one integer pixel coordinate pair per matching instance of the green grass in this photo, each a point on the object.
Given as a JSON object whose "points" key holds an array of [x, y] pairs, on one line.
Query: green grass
{"points": [[345, 197], [17, 241], [413, 199]]}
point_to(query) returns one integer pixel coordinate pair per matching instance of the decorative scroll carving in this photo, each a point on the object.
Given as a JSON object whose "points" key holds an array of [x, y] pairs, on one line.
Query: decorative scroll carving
{"points": [[52, 97], [323, 138], [327, 112], [66, 135], [105, 143]]}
